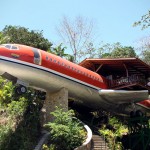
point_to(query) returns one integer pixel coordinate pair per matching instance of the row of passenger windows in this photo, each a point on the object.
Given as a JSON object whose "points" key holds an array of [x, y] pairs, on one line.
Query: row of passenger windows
{"points": [[10, 46], [72, 68]]}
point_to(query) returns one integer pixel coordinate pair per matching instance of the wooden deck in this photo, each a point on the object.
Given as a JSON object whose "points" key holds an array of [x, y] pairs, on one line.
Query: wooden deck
{"points": [[129, 82]]}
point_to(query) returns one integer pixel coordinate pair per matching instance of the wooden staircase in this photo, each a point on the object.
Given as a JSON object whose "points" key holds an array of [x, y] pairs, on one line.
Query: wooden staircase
{"points": [[98, 143]]}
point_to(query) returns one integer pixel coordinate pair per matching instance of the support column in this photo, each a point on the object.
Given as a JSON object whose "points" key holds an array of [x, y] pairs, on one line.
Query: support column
{"points": [[59, 98]]}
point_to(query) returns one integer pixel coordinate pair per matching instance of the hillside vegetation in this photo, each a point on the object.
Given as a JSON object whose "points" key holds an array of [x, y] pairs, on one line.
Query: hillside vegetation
{"points": [[19, 118]]}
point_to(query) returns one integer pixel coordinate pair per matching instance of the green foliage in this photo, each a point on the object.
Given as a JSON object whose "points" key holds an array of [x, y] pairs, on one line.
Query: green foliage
{"points": [[146, 56], [115, 50], [17, 108], [144, 22], [66, 132], [51, 147], [90, 51], [6, 91], [121, 52], [112, 132], [60, 51], [20, 122], [5, 132], [3, 39], [22, 35]]}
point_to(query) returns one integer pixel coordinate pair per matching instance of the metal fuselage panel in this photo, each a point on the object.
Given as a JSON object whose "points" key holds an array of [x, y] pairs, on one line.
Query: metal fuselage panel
{"points": [[42, 78], [49, 72]]}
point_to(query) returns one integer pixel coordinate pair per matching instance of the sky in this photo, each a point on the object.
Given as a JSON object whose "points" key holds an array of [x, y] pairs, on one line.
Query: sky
{"points": [[113, 18]]}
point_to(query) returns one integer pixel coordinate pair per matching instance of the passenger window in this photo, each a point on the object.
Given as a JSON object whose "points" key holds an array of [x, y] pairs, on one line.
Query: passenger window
{"points": [[14, 48]]}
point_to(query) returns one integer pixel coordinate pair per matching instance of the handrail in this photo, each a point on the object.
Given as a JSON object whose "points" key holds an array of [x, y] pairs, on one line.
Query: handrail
{"points": [[127, 81], [87, 144], [42, 140]]}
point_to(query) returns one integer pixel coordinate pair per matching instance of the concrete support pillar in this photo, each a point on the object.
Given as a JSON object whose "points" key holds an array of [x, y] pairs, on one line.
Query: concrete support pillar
{"points": [[59, 98]]}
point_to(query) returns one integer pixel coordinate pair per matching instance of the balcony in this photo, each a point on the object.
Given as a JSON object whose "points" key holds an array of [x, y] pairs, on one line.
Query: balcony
{"points": [[125, 82]]}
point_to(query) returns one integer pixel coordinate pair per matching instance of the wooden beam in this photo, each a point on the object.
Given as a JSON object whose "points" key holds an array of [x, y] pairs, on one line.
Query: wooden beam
{"points": [[100, 66], [136, 69], [127, 73]]}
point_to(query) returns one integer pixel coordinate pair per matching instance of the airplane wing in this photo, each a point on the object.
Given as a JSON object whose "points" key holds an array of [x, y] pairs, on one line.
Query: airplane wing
{"points": [[123, 96], [145, 104]]}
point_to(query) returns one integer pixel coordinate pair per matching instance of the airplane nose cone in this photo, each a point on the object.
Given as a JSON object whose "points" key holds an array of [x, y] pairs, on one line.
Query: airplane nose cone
{"points": [[2, 50]]}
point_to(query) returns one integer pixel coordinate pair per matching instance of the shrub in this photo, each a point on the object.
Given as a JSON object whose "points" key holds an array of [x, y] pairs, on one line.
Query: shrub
{"points": [[6, 92], [21, 129], [5, 132], [112, 132], [66, 133]]}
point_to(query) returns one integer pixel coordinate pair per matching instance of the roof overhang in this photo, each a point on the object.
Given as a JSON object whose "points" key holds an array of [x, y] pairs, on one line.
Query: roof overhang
{"points": [[134, 64]]}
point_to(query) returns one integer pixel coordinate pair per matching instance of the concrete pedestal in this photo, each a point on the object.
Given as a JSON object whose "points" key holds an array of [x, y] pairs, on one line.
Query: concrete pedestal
{"points": [[59, 98]]}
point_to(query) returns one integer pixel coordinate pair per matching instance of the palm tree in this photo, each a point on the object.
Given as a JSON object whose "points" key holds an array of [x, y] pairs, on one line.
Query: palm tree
{"points": [[60, 51]]}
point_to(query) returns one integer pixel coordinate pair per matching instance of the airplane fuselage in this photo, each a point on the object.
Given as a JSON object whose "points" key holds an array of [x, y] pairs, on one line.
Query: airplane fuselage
{"points": [[46, 71]]}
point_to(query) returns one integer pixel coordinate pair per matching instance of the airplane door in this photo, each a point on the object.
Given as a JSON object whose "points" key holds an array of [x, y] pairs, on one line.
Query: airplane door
{"points": [[37, 56]]}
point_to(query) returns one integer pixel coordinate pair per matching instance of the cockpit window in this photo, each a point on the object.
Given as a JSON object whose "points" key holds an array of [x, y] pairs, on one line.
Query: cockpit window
{"points": [[11, 47], [8, 46]]}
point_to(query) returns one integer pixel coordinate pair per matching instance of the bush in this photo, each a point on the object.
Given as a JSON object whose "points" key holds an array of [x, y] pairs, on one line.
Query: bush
{"points": [[5, 132], [6, 92], [19, 119], [113, 131], [66, 133]]}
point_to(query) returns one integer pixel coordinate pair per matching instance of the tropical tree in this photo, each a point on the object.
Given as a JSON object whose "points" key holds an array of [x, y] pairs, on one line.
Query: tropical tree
{"points": [[90, 51], [76, 34], [126, 51], [22, 35], [115, 50], [3, 39], [60, 51], [105, 50]]}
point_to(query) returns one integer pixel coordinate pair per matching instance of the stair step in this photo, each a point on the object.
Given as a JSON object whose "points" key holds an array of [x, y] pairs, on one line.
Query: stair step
{"points": [[100, 148], [99, 143]]}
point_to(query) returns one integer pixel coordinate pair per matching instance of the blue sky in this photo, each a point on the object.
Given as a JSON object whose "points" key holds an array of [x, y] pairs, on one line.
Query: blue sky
{"points": [[113, 18]]}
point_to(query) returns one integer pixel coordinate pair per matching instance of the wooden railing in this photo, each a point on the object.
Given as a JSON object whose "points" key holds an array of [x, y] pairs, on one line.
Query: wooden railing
{"points": [[128, 81]]}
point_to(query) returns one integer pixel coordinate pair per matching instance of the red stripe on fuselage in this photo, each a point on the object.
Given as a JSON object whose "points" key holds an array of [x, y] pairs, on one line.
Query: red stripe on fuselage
{"points": [[56, 63], [73, 70]]}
